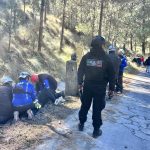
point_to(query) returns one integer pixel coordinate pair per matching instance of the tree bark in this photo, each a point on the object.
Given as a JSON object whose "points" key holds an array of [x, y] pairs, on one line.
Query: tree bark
{"points": [[143, 29], [131, 42], [143, 46], [135, 45], [101, 17], [93, 22], [45, 13], [81, 17], [63, 24], [10, 30], [14, 17], [41, 25], [24, 4]]}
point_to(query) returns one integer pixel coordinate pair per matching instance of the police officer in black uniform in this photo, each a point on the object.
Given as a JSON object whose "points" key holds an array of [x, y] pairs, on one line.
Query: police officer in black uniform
{"points": [[94, 73]]}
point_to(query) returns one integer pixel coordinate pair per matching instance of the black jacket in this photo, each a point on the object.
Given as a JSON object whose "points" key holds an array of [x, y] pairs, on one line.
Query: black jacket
{"points": [[147, 62], [6, 109], [51, 80], [96, 68]]}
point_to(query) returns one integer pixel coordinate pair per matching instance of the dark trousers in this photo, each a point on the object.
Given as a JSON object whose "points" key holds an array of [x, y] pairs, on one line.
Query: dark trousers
{"points": [[96, 94], [48, 95], [119, 82]]}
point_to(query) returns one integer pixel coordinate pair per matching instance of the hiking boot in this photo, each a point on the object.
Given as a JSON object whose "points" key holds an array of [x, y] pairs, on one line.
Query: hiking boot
{"points": [[97, 133], [80, 127], [30, 114]]}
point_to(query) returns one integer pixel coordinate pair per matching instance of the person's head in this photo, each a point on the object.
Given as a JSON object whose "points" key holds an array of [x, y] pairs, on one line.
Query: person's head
{"points": [[120, 52], [98, 44], [74, 56], [24, 76], [34, 78], [112, 49], [7, 81]]}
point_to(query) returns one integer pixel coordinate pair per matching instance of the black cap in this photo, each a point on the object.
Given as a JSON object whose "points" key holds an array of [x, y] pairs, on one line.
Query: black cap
{"points": [[98, 41]]}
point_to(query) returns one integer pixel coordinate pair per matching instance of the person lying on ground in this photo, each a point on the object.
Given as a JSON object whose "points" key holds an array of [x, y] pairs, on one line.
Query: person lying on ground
{"points": [[24, 96], [6, 109], [46, 87]]}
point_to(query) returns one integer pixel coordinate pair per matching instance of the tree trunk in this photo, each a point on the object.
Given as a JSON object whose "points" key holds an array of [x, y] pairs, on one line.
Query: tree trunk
{"points": [[143, 46], [48, 6], [63, 25], [93, 22], [131, 42], [24, 4], [110, 24], [124, 47], [41, 25], [143, 29], [10, 31], [81, 17], [14, 18], [45, 14], [101, 17], [135, 45]]}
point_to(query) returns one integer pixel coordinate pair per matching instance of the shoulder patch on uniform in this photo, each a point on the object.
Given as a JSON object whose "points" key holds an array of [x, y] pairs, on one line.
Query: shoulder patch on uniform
{"points": [[94, 63]]}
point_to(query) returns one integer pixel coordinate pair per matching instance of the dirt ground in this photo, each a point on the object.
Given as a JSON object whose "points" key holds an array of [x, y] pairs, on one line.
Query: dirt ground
{"points": [[25, 134]]}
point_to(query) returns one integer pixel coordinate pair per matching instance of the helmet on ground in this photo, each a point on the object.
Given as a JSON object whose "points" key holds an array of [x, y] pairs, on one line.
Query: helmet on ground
{"points": [[112, 48], [24, 75], [34, 78], [6, 79], [121, 51], [98, 41]]}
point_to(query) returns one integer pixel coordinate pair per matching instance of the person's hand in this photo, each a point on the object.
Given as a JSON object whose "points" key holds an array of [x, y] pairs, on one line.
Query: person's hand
{"points": [[37, 104], [80, 87], [110, 94]]}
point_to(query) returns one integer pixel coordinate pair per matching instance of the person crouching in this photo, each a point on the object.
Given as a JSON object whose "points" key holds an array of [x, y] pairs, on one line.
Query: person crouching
{"points": [[23, 96]]}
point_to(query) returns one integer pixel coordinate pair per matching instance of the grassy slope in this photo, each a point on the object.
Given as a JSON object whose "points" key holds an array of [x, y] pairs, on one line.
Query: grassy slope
{"points": [[23, 57]]}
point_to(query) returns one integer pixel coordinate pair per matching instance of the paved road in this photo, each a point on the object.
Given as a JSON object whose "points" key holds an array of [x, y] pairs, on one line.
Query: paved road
{"points": [[126, 123]]}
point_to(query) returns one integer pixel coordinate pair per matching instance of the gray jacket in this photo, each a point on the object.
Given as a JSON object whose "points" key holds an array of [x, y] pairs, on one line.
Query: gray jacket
{"points": [[116, 61]]}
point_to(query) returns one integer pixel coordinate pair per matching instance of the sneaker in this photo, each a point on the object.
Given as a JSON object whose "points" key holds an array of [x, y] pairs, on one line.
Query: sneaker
{"points": [[80, 127], [97, 133]]}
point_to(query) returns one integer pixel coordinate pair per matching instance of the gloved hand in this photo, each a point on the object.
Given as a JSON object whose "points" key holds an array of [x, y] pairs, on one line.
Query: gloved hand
{"points": [[37, 104], [110, 94]]}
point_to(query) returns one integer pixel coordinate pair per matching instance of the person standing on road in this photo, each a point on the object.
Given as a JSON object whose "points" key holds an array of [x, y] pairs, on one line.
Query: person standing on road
{"points": [[147, 64], [94, 73], [115, 59], [119, 84]]}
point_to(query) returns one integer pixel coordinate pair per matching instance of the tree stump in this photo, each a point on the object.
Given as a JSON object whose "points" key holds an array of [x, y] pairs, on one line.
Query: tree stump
{"points": [[71, 86]]}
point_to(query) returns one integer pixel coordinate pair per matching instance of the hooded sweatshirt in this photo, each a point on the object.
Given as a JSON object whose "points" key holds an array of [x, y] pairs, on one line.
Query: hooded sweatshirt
{"points": [[96, 68]]}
